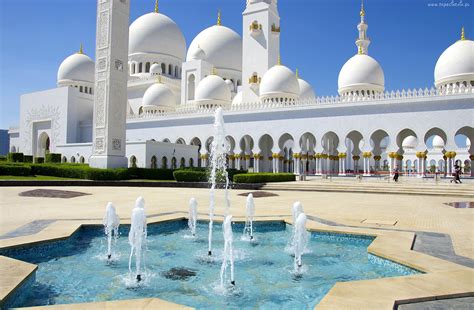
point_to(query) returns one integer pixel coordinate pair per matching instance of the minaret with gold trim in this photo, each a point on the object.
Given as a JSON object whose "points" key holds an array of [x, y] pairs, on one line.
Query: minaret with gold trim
{"points": [[363, 40], [260, 44]]}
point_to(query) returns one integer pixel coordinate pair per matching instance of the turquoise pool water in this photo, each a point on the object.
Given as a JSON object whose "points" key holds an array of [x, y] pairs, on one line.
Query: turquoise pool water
{"points": [[179, 270]]}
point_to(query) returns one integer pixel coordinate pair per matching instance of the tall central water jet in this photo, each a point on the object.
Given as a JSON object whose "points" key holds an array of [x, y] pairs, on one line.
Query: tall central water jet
{"points": [[111, 226], [228, 255], [248, 229], [137, 237], [218, 162], [300, 239], [192, 216]]}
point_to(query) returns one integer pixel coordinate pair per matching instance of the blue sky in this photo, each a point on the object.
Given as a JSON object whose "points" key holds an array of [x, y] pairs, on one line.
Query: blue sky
{"points": [[317, 37]]}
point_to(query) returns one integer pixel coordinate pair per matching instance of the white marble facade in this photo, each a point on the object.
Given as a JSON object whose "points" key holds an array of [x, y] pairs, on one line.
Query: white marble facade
{"points": [[274, 120]]}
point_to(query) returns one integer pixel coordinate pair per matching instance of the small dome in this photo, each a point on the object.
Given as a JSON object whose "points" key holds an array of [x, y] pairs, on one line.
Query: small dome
{"points": [[198, 54], [155, 33], [456, 64], [306, 91], [279, 82], [155, 69], [230, 85], [238, 99], [213, 88], [409, 142], [438, 142], [159, 95], [222, 47], [361, 73], [78, 68]]}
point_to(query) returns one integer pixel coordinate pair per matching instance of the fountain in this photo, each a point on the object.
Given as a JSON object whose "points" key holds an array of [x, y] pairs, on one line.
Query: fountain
{"points": [[137, 237], [218, 162], [111, 225], [192, 216], [248, 230], [227, 255], [297, 209], [300, 240]]}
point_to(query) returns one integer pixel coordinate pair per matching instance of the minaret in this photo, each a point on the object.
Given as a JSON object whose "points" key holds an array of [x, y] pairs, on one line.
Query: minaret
{"points": [[261, 44], [363, 41], [111, 74]]}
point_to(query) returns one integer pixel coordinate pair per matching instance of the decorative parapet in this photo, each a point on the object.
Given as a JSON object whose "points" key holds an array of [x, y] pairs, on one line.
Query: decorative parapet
{"points": [[403, 95]]}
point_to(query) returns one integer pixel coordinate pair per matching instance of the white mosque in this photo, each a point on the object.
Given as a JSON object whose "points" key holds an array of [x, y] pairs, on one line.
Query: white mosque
{"points": [[274, 120]]}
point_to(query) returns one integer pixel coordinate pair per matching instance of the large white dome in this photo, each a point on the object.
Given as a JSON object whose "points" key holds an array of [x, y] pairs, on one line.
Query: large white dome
{"points": [[409, 142], [76, 68], [456, 64], [155, 33], [306, 91], [279, 82], [438, 142], [159, 95], [221, 46], [361, 72], [214, 88]]}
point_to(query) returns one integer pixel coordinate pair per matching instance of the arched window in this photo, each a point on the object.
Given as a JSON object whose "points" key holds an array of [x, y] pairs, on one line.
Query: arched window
{"points": [[164, 163], [191, 162], [153, 162], [133, 68], [163, 68], [170, 69], [133, 162], [176, 71], [182, 163], [80, 89], [73, 159], [173, 163], [147, 67], [64, 159], [81, 160], [140, 67], [191, 87]]}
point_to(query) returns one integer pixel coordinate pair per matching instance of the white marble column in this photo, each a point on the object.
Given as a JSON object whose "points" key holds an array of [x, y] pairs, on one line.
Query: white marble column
{"points": [[110, 92]]}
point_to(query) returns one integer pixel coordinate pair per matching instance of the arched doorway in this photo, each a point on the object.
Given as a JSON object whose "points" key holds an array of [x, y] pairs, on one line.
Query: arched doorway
{"points": [[43, 145]]}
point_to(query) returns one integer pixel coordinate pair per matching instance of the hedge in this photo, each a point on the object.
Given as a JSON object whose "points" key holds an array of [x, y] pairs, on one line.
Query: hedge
{"points": [[3, 158], [190, 176], [107, 174], [15, 170], [59, 171], [39, 160], [52, 158], [264, 177], [153, 174], [28, 159], [15, 157]]}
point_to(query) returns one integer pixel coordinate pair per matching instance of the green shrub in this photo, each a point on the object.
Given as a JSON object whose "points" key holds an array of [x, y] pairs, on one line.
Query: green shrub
{"points": [[39, 160], [152, 174], [190, 176], [74, 172], [15, 170], [107, 174], [28, 159], [3, 158], [15, 157], [264, 177], [232, 172], [52, 158]]}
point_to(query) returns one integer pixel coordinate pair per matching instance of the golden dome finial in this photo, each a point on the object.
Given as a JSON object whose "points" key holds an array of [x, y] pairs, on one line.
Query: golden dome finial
{"points": [[156, 6], [158, 79], [463, 35], [279, 60], [81, 49], [214, 71], [362, 11], [219, 18], [360, 51], [297, 73]]}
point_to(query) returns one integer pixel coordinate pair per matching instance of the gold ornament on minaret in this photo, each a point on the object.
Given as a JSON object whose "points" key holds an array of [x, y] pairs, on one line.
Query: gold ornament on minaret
{"points": [[362, 11], [81, 50], [463, 35], [219, 18], [156, 6]]}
